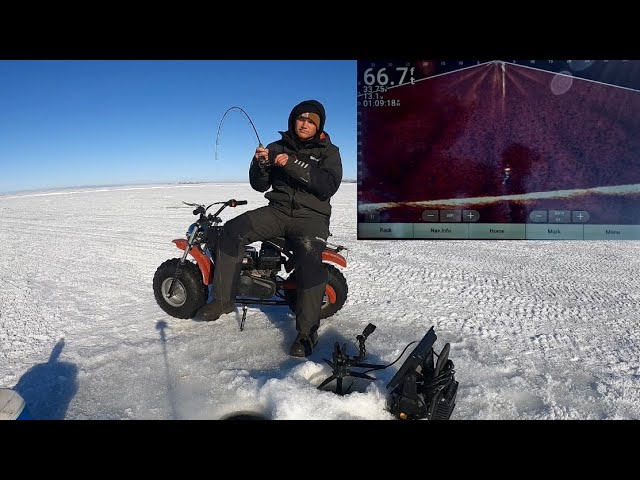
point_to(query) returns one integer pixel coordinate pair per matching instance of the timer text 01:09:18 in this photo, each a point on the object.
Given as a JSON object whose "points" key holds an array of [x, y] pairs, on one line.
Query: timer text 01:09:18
{"points": [[381, 103]]}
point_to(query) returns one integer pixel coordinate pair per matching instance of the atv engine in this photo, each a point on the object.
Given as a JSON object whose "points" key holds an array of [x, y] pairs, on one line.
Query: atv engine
{"points": [[269, 258], [259, 270]]}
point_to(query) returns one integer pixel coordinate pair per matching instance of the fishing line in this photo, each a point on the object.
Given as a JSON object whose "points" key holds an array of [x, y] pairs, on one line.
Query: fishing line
{"points": [[222, 120]]}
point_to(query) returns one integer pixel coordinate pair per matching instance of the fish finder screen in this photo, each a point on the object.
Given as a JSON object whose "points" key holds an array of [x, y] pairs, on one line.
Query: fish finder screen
{"points": [[498, 149]]}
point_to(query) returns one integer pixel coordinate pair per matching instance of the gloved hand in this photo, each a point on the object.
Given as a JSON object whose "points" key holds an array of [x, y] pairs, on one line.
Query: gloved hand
{"points": [[262, 157]]}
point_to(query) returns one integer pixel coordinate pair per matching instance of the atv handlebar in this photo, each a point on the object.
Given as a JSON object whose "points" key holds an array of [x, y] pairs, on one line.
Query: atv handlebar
{"points": [[202, 210], [228, 203]]}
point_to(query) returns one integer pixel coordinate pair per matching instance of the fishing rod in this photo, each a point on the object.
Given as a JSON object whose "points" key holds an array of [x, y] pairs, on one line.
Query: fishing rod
{"points": [[222, 120]]}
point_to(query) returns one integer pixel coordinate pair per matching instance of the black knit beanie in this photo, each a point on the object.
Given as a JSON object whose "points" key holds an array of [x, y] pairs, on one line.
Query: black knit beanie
{"points": [[308, 106]]}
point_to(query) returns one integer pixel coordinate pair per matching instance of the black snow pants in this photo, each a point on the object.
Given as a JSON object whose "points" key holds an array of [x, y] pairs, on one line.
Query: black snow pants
{"points": [[307, 236]]}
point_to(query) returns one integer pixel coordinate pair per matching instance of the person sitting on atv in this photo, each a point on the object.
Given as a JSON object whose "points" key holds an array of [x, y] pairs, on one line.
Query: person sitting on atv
{"points": [[303, 170]]}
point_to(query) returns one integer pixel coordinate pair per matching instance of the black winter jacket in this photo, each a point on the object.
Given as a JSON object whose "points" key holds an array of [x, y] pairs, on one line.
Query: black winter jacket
{"points": [[305, 185]]}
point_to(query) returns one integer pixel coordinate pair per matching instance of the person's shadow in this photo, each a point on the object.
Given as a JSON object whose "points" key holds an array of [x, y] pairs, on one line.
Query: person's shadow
{"points": [[47, 388]]}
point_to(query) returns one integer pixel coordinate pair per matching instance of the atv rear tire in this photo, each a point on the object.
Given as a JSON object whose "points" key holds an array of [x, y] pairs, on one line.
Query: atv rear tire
{"points": [[189, 294], [336, 281]]}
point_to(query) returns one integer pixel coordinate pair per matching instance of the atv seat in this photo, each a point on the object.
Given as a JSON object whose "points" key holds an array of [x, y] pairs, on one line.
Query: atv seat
{"points": [[283, 243]]}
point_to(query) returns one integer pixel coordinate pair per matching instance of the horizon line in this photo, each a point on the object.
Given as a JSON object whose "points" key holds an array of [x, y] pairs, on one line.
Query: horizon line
{"points": [[48, 190]]}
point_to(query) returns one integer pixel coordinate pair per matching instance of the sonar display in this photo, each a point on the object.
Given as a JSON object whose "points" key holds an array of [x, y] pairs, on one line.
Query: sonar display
{"points": [[498, 149]]}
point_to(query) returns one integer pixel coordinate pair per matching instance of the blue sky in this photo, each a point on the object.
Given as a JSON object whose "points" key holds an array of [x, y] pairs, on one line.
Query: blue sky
{"points": [[66, 123]]}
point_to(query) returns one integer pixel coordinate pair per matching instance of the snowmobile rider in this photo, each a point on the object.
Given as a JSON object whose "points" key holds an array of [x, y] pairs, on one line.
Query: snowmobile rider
{"points": [[304, 170]]}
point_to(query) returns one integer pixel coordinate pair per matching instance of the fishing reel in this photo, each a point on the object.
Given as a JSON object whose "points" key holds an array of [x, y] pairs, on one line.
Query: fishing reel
{"points": [[265, 163]]}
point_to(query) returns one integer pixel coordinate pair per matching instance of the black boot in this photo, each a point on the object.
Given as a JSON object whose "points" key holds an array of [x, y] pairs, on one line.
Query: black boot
{"points": [[303, 344], [213, 311]]}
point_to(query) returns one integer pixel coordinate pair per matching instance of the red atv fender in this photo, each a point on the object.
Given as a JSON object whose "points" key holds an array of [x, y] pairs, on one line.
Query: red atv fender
{"points": [[205, 266], [203, 261]]}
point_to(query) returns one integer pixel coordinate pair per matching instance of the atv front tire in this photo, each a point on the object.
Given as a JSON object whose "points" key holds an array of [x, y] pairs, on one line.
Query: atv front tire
{"points": [[189, 293]]}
